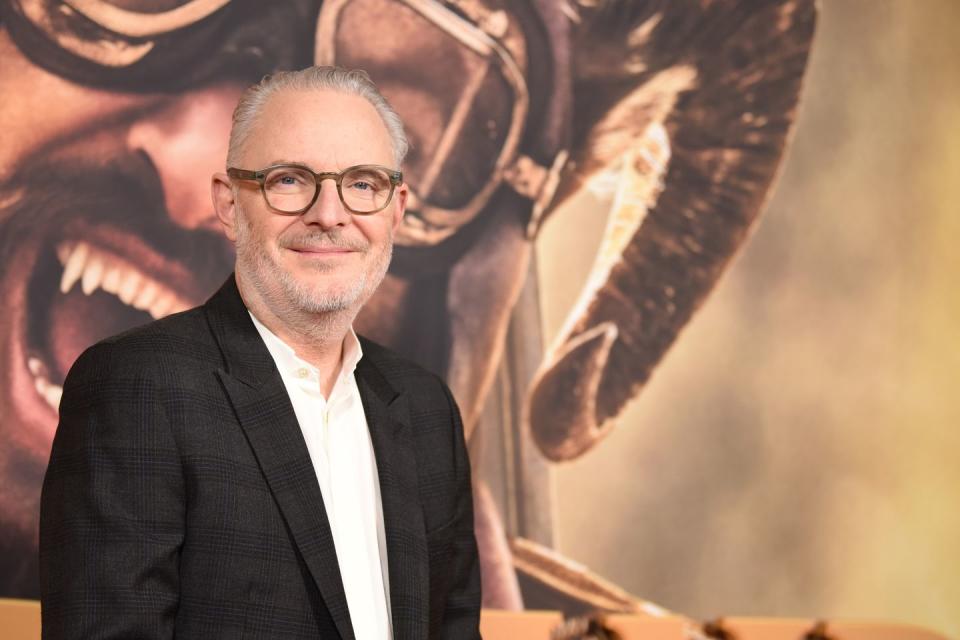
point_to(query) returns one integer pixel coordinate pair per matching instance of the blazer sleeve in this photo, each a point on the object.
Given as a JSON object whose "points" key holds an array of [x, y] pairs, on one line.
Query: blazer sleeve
{"points": [[461, 616], [112, 506]]}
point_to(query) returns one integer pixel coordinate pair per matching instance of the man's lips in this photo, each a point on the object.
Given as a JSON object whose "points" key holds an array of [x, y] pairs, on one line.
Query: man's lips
{"points": [[324, 248], [332, 243], [323, 252]]}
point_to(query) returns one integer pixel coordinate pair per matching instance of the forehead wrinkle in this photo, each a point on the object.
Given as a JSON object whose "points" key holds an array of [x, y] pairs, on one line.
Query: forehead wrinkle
{"points": [[339, 128]]}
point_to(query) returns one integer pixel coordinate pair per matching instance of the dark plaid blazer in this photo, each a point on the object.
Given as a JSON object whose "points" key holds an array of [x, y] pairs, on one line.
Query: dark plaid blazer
{"points": [[181, 501]]}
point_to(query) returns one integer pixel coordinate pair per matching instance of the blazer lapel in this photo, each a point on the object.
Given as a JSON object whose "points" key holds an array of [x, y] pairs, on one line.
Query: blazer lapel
{"points": [[407, 562], [263, 408]]}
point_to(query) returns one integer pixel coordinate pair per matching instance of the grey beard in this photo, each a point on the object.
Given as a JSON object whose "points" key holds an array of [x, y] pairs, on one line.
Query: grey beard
{"points": [[285, 289], [303, 299]]}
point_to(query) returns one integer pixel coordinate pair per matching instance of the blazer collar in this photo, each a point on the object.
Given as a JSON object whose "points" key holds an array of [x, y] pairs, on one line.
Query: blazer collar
{"points": [[255, 389], [389, 422], [259, 398], [245, 357]]}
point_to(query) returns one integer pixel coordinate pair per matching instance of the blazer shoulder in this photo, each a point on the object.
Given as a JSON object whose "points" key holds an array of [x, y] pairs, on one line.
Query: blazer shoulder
{"points": [[186, 328], [174, 343], [429, 403]]}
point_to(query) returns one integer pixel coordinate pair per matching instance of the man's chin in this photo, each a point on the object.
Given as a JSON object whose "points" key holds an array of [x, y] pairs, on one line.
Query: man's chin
{"points": [[327, 300], [308, 291]]}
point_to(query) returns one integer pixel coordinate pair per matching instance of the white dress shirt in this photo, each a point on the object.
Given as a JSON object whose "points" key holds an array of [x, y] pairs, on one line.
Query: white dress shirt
{"points": [[338, 441]]}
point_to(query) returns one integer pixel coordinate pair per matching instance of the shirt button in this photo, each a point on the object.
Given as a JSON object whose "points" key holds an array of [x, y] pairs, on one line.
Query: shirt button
{"points": [[302, 373]]}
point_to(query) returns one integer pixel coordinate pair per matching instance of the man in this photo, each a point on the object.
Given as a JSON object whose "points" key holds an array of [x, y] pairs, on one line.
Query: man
{"points": [[251, 468]]}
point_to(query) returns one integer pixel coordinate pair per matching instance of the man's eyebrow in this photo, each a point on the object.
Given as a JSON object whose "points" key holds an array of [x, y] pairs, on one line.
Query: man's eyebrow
{"points": [[281, 161], [301, 163]]}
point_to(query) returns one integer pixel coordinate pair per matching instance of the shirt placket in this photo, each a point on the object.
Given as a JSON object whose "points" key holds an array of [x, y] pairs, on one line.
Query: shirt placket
{"points": [[308, 381]]}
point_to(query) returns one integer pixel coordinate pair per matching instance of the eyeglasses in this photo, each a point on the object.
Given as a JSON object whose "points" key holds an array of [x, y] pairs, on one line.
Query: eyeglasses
{"points": [[458, 162], [291, 189]]}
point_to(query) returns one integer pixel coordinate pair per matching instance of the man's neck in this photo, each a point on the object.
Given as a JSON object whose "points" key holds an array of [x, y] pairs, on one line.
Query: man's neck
{"points": [[315, 337]]}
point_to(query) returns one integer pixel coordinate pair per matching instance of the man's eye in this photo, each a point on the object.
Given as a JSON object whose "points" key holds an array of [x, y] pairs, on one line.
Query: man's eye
{"points": [[366, 182], [286, 180]]}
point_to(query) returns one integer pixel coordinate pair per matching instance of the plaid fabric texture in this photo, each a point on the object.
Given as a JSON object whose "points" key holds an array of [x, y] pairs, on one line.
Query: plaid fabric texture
{"points": [[181, 501]]}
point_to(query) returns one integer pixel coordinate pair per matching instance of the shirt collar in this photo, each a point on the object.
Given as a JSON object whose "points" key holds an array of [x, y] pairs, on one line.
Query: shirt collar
{"points": [[290, 363]]}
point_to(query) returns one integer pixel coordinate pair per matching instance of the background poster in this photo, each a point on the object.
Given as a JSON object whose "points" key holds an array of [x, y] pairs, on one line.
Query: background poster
{"points": [[795, 452], [779, 443]]}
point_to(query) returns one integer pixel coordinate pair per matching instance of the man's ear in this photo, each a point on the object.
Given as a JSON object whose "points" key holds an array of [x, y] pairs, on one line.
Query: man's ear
{"points": [[224, 203], [401, 196]]}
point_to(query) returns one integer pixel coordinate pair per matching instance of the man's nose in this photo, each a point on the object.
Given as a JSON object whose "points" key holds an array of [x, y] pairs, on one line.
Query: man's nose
{"points": [[186, 140], [328, 210]]}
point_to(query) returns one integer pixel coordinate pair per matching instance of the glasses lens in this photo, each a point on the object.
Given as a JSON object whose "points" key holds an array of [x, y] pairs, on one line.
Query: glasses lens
{"points": [[444, 90], [289, 189], [366, 189]]}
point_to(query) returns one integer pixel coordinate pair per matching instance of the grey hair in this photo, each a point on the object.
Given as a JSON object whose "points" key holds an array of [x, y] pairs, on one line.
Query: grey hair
{"points": [[351, 81]]}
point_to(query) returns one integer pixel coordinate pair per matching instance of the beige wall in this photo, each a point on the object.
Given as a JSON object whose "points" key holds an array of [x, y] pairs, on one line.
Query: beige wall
{"points": [[796, 452]]}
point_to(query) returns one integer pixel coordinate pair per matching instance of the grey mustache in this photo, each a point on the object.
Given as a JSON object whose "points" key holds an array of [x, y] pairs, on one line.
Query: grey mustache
{"points": [[323, 241]]}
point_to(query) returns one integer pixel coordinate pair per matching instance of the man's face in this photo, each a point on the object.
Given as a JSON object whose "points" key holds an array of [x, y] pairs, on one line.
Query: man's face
{"points": [[325, 259]]}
